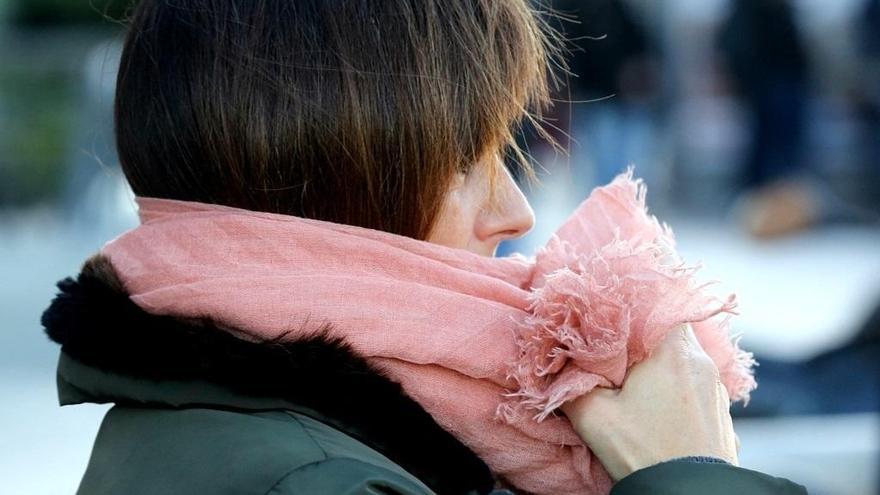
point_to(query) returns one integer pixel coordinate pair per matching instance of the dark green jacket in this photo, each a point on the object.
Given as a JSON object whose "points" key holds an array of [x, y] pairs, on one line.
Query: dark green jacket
{"points": [[199, 411]]}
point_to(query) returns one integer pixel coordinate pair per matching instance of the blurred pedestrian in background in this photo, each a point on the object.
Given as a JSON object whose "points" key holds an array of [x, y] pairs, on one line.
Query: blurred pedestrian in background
{"points": [[763, 52], [609, 105], [802, 256], [867, 42]]}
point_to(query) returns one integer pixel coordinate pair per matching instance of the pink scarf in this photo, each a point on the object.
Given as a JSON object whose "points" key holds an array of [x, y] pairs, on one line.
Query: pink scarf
{"points": [[490, 347]]}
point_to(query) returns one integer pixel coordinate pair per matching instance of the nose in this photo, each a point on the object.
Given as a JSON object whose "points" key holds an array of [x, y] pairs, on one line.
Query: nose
{"points": [[509, 217]]}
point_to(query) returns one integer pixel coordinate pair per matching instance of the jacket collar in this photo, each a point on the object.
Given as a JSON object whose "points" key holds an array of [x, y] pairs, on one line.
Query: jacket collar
{"points": [[113, 351]]}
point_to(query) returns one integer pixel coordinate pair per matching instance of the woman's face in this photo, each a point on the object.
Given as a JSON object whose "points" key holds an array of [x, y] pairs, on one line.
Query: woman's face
{"points": [[467, 219]]}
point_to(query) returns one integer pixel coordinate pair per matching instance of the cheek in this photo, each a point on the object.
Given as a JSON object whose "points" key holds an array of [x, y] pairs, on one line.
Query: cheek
{"points": [[454, 226]]}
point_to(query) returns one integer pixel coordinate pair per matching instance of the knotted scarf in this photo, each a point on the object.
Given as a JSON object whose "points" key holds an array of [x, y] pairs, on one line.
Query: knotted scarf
{"points": [[490, 347]]}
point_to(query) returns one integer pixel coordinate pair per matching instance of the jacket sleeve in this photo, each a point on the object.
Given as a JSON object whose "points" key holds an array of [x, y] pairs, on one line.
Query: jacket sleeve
{"points": [[687, 477], [345, 477]]}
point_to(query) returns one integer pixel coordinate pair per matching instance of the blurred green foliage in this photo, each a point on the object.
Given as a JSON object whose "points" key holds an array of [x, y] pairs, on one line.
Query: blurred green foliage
{"points": [[37, 116], [42, 57], [54, 12]]}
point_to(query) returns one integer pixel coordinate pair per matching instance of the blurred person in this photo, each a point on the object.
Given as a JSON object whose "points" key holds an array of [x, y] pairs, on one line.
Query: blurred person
{"points": [[868, 48], [614, 88], [867, 31], [763, 53], [368, 118]]}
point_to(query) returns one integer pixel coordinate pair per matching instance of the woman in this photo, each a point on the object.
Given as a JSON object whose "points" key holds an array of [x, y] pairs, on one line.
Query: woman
{"points": [[391, 116]]}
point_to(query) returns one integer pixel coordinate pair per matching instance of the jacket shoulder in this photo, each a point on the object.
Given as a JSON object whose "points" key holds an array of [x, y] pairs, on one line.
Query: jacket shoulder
{"points": [[345, 475], [682, 477], [113, 351], [144, 450]]}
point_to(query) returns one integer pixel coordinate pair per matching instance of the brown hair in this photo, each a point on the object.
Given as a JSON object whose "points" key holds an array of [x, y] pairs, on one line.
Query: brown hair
{"points": [[357, 112]]}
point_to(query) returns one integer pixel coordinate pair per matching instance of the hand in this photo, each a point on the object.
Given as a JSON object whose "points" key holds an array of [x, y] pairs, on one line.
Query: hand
{"points": [[671, 405]]}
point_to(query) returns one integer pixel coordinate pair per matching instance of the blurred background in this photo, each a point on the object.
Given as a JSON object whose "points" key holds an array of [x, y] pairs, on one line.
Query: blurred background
{"points": [[755, 124]]}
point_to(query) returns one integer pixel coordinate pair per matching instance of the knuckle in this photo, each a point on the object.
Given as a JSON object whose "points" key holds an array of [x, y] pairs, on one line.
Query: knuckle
{"points": [[701, 364]]}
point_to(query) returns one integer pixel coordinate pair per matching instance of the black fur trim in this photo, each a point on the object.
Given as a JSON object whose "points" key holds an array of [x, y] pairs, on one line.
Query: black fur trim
{"points": [[97, 324]]}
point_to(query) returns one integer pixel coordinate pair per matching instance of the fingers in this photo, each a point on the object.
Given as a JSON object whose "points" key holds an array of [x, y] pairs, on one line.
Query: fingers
{"points": [[677, 360], [691, 341], [595, 415], [674, 343], [679, 344], [683, 340], [589, 404], [690, 336], [680, 358]]}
